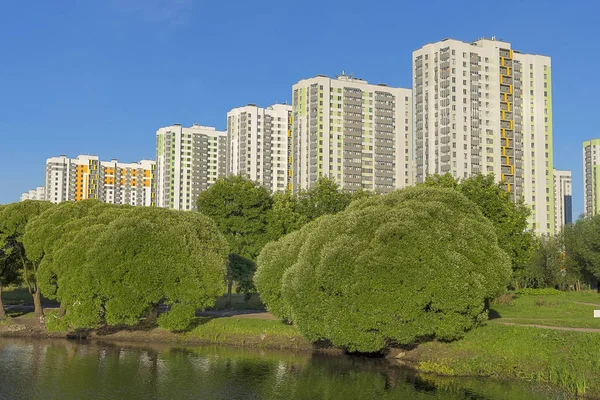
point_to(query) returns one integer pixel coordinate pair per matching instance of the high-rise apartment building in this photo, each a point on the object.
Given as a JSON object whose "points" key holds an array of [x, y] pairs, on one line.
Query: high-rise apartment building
{"points": [[188, 161], [85, 177], [482, 107], [123, 183], [38, 193], [563, 199], [591, 174], [72, 179], [259, 145], [355, 132]]}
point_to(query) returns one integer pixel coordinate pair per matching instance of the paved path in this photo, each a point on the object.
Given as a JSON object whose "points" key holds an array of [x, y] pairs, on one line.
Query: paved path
{"points": [[556, 328]]}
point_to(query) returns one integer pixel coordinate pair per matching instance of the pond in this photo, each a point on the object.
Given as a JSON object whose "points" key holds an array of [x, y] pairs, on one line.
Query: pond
{"points": [[60, 369]]}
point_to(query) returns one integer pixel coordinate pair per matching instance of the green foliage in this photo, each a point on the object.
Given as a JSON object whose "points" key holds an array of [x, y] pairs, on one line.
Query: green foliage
{"points": [[538, 292], [239, 208], [323, 198], [508, 217], [546, 268], [582, 247], [415, 264], [13, 220], [284, 217], [241, 270], [132, 260], [273, 261]]}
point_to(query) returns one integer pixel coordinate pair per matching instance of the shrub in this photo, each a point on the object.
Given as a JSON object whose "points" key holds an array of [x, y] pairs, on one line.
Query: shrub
{"points": [[538, 292], [413, 265]]}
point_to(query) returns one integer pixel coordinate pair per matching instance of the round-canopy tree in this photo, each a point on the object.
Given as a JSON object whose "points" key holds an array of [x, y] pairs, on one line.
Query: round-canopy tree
{"points": [[274, 259], [416, 264], [136, 260]]}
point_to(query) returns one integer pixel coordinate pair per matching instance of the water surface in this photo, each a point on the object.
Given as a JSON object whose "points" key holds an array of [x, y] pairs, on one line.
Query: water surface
{"points": [[57, 369]]}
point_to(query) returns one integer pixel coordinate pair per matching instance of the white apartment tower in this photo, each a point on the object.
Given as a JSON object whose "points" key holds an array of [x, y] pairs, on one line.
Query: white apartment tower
{"points": [[128, 183], [563, 199], [358, 133], [258, 145], [38, 193], [188, 161], [482, 107], [85, 177], [72, 179], [591, 175]]}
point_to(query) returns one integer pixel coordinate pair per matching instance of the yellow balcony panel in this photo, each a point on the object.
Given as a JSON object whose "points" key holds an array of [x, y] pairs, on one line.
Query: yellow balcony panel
{"points": [[502, 61], [502, 177], [501, 79], [508, 187], [511, 54], [511, 89]]}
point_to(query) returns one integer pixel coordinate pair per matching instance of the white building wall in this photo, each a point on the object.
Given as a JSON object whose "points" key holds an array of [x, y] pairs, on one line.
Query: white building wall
{"points": [[358, 133], [38, 193], [460, 124], [188, 161]]}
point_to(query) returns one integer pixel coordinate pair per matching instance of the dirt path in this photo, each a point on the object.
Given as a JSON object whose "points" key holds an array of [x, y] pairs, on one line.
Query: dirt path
{"points": [[250, 314], [556, 328], [587, 304]]}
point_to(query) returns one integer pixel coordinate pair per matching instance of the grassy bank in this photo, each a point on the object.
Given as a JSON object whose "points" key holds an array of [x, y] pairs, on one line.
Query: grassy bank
{"points": [[565, 359]]}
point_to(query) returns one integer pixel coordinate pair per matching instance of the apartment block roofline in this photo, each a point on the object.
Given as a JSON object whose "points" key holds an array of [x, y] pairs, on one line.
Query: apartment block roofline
{"points": [[474, 43]]}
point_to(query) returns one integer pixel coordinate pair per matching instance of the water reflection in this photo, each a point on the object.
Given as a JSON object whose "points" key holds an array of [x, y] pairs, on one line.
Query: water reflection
{"points": [[69, 370]]}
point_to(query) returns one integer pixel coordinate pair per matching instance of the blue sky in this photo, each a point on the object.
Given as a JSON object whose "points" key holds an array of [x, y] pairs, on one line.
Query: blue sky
{"points": [[99, 77]]}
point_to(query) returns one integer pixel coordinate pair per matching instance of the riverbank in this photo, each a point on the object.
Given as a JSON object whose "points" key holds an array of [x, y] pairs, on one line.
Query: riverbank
{"points": [[565, 359]]}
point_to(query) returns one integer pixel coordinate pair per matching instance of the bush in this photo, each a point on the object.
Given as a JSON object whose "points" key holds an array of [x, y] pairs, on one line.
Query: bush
{"points": [[274, 259], [413, 265], [538, 292]]}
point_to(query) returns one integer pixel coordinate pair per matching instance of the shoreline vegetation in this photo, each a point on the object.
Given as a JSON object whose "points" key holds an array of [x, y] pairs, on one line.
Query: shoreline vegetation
{"points": [[563, 360]]}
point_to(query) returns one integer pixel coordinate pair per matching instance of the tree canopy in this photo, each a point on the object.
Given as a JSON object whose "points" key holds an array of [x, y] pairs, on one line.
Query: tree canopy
{"points": [[114, 264], [508, 217], [13, 220], [416, 264]]}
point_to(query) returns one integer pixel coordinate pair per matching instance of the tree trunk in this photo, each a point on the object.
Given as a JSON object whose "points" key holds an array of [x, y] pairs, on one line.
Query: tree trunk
{"points": [[229, 286], [2, 312], [37, 303]]}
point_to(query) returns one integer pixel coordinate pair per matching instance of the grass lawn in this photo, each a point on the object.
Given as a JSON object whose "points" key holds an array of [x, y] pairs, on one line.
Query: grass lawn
{"points": [[565, 359], [239, 303], [21, 296], [252, 332], [555, 310]]}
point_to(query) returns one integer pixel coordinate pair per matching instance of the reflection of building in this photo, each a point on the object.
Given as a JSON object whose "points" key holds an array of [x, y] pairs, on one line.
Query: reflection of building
{"points": [[355, 132], [85, 177], [38, 193], [591, 174], [482, 107], [188, 161], [563, 199], [259, 145]]}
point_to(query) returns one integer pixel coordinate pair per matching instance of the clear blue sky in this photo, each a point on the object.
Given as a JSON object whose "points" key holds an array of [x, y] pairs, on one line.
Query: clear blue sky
{"points": [[99, 77]]}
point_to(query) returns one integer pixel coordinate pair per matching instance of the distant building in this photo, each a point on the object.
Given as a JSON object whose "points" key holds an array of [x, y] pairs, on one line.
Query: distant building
{"points": [[38, 193], [259, 145], [483, 107], [563, 199], [591, 175], [86, 177], [358, 133], [188, 161]]}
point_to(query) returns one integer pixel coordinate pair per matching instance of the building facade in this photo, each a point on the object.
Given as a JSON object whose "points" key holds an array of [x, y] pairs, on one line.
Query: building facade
{"points": [[563, 199], [482, 107], [188, 161], [591, 173], [259, 145], [127, 183], [38, 193], [86, 177], [358, 133]]}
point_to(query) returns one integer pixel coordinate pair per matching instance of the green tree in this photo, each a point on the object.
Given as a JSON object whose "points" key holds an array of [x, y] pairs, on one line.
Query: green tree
{"points": [[324, 197], [416, 264], [13, 220], [9, 271], [284, 216], [137, 260], [43, 235], [508, 217], [239, 207], [582, 249], [546, 266]]}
